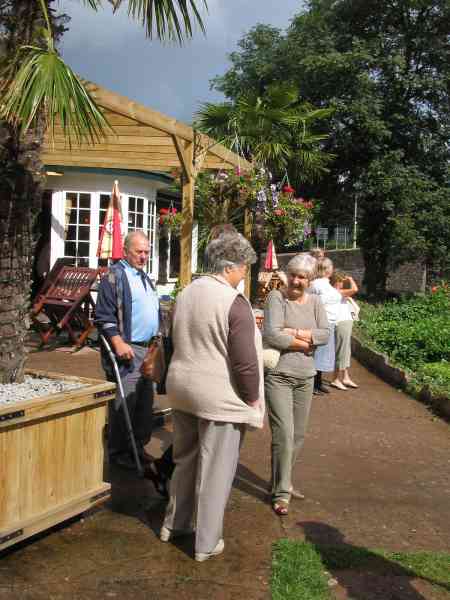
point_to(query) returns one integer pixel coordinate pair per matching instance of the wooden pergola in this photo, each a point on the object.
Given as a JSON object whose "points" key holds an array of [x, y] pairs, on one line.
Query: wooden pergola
{"points": [[146, 140]]}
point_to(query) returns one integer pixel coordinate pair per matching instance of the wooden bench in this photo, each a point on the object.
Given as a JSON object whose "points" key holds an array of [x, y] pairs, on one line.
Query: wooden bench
{"points": [[67, 303]]}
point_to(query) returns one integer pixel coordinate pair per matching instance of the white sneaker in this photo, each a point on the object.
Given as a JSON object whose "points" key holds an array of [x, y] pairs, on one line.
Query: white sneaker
{"points": [[201, 556], [166, 534]]}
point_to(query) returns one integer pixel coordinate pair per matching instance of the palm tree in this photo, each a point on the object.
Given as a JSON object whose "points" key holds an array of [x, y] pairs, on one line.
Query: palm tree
{"points": [[273, 129], [38, 90]]}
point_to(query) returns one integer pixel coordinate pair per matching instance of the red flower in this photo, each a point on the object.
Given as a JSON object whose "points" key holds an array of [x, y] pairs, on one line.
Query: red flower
{"points": [[434, 289], [287, 189], [174, 210], [163, 211], [279, 212]]}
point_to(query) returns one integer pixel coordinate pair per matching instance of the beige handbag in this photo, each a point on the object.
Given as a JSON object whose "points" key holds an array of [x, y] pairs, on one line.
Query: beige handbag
{"points": [[271, 356]]}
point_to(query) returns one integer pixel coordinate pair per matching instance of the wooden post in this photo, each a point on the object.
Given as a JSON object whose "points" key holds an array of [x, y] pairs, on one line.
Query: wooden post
{"points": [[188, 218], [248, 222]]}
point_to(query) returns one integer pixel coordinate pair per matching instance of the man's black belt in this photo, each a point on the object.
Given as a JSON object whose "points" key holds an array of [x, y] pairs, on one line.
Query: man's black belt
{"points": [[143, 344]]}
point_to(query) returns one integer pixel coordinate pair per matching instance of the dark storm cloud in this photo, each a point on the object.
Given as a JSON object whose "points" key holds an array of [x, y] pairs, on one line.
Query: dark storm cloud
{"points": [[113, 51]]}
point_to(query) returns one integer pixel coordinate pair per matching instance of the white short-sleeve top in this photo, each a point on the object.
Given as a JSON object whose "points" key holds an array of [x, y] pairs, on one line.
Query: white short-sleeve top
{"points": [[335, 304]]}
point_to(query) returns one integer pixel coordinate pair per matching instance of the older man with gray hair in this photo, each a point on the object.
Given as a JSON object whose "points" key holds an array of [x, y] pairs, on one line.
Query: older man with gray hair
{"points": [[127, 313], [215, 386]]}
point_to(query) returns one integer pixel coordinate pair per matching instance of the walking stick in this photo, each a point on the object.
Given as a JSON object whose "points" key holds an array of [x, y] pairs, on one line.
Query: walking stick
{"points": [[124, 406]]}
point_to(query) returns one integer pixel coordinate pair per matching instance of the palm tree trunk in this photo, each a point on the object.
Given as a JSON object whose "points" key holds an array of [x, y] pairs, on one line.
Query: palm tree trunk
{"points": [[20, 199]]}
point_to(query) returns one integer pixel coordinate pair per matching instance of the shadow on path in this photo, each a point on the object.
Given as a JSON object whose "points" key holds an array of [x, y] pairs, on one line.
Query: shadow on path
{"points": [[361, 572], [246, 481]]}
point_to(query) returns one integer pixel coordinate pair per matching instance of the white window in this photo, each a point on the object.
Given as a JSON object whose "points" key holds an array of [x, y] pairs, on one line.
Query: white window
{"points": [[142, 215], [77, 217], [77, 226]]}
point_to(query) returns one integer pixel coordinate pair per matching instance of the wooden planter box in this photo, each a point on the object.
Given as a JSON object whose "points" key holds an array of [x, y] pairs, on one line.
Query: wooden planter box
{"points": [[51, 455]]}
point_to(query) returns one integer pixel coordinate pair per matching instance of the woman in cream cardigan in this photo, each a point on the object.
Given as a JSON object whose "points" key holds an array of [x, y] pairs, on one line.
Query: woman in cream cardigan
{"points": [[215, 387]]}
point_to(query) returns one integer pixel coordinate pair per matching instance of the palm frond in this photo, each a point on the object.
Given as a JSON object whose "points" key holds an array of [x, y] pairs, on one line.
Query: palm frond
{"points": [[169, 19], [94, 4], [215, 119], [44, 86]]}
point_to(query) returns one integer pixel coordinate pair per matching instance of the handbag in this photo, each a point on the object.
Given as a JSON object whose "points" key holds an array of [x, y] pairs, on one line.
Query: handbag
{"points": [[156, 362], [354, 309], [271, 356]]}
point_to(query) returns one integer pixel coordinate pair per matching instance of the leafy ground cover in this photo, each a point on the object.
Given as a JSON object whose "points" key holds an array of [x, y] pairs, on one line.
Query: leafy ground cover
{"points": [[301, 570], [414, 333]]}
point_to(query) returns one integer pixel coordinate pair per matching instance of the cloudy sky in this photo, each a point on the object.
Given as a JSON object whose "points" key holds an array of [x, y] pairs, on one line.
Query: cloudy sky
{"points": [[113, 52]]}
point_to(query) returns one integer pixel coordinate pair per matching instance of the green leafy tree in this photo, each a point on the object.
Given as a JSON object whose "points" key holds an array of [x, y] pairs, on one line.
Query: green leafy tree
{"points": [[384, 67], [38, 90], [405, 216]]}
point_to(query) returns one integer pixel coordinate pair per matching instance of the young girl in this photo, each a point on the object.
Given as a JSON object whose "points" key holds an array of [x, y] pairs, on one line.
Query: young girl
{"points": [[347, 288]]}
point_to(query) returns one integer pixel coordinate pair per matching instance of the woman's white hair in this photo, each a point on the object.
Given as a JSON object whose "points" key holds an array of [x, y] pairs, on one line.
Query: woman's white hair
{"points": [[303, 263]]}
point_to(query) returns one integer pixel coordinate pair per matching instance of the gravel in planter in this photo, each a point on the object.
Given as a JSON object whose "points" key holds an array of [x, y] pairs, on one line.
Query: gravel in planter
{"points": [[34, 387]]}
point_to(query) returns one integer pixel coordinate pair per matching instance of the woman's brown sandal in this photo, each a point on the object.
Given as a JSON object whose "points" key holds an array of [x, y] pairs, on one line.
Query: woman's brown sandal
{"points": [[280, 508]]}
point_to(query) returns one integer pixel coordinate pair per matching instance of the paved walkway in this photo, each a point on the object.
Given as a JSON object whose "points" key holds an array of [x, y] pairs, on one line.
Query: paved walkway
{"points": [[375, 471]]}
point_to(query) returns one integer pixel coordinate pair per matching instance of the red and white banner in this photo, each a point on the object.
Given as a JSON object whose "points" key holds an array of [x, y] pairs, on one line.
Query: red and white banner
{"points": [[271, 262], [110, 244]]}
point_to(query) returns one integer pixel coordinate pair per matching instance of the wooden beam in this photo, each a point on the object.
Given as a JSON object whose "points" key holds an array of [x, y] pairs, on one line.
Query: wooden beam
{"points": [[188, 220], [133, 110], [186, 165], [119, 140]]}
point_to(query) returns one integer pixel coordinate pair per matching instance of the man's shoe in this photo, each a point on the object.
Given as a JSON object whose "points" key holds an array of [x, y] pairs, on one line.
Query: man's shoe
{"points": [[167, 534], [202, 556], [160, 482], [124, 461], [145, 457], [324, 390]]}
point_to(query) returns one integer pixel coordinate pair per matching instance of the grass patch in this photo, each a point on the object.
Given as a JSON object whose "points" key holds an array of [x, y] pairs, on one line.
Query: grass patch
{"points": [[298, 569], [298, 572]]}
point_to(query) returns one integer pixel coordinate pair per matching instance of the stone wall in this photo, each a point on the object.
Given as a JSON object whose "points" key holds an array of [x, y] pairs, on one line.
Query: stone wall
{"points": [[410, 277]]}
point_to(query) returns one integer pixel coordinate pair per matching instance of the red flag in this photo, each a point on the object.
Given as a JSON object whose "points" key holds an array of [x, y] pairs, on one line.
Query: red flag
{"points": [[271, 263], [110, 243]]}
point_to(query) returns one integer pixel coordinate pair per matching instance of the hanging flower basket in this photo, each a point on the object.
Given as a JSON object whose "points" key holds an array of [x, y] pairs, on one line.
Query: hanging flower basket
{"points": [[278, 214], [170, 221]]}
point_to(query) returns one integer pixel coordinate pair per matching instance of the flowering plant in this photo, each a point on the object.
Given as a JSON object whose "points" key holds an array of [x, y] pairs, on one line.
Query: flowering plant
{"points": [[278, 215], [288, 220], [221, 198], [170, 220]]}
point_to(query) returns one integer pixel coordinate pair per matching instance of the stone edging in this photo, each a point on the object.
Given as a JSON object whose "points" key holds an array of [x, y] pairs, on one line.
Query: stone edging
{"points": [[379, 363]]}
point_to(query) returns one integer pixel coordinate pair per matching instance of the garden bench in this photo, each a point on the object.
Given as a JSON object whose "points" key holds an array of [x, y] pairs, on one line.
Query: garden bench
{"points": [[67, 303]]}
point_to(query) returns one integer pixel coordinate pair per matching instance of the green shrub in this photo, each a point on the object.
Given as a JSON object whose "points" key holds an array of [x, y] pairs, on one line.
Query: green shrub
{"points": [[413, 331], [436, 374]]}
